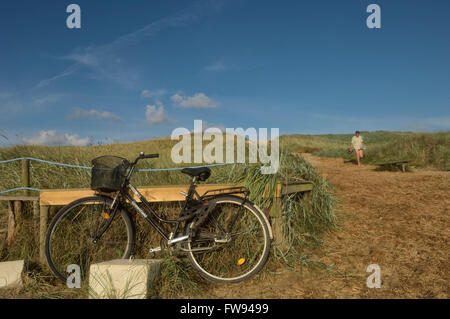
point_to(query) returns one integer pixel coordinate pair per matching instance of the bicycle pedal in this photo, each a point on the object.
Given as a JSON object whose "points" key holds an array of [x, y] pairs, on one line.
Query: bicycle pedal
{"points": [[154, 250], [221, 241]]}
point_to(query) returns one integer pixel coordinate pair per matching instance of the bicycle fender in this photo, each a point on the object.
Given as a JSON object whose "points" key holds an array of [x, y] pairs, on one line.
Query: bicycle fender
{"points": [[266, 220]]}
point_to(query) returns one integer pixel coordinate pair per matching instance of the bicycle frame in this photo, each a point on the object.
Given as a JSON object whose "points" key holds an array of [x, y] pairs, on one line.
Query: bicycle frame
{"points": [[192, 199], [148, 208]]}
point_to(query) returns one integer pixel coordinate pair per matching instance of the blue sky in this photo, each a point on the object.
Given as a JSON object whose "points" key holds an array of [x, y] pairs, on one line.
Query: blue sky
{"points": [[139, 69]]}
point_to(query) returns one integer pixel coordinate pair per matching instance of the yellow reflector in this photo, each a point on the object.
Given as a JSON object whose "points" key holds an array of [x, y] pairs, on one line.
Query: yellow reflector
{"points": [[241, 261], [105, 215]]}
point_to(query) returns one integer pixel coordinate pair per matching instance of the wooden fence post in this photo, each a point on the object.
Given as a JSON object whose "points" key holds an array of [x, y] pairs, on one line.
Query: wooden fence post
{"points": [[42, 232], [11, 222], [18, 214], [277, 213], [26, 175], [15, 216], [277, 224]]}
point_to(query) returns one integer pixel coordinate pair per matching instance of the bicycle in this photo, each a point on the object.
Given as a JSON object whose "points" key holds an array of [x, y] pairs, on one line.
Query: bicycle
{"points": [[225, 237]]}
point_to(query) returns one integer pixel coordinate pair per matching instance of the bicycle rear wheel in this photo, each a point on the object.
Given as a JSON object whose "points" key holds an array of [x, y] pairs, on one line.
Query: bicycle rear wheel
{"points": [[233, 243], [70, 236]]}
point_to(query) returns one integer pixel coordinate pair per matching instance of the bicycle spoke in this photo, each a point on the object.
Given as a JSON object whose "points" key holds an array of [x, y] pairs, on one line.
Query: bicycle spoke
{"points": [[234, 254], [72, 237]]}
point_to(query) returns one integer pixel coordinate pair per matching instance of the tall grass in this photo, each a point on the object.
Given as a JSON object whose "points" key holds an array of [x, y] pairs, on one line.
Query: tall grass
{"points": [[305, 220], [420, 149]]}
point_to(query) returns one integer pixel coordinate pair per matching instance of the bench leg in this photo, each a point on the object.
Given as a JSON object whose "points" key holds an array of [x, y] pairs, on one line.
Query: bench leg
{"points": [[277, 224], [15, 219], [42, 232], [11, 223]]}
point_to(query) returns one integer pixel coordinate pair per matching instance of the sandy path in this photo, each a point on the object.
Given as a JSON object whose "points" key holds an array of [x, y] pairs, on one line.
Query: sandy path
{"points": [[399, 221]]}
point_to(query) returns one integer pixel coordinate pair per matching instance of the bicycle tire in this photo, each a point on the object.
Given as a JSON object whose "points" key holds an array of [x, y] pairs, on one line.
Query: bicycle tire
{"points": [[64, 212], [207, 274]]}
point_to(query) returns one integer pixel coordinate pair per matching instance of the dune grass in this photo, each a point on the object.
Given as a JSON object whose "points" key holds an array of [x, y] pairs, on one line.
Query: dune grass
{"points": [[308, 216], [430, 150]]}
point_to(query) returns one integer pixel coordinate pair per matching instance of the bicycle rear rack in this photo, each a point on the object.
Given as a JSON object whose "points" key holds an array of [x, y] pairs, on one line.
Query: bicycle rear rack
{"points": [[226, 191]]}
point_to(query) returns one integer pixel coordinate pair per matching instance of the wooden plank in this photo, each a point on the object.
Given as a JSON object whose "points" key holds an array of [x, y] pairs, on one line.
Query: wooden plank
{"points": [[276, 214], [26, 174], [21, 198], [59, 197], [151, 193], [15, 216], [36, 217], [18, 213], [62, 196], [172, 193], [36, 209], [296, 188], [11, 223]]}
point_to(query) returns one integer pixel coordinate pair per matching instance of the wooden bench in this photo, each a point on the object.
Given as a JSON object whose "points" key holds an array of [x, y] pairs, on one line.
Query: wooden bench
{"points": [[59, 197], [400, 164]]}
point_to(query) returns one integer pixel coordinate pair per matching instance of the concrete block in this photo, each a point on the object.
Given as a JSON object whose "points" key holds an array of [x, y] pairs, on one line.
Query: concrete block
{"points": [[122, 278], [11, 274]]}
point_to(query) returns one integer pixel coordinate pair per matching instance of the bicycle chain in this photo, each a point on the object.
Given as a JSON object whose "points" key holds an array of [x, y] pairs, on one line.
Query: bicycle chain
{"points": [[201, 214]]}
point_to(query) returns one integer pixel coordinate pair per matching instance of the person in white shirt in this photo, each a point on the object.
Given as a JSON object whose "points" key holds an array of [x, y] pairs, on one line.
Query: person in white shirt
{"points": [[357, 144]]}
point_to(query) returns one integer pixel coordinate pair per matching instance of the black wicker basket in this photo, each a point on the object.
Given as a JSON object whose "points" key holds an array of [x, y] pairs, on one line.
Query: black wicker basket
{"points": [[108, 173]]}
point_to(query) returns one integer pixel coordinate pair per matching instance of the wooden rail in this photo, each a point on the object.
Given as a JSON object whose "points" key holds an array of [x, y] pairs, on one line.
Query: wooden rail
{"points": [[61, 197]]}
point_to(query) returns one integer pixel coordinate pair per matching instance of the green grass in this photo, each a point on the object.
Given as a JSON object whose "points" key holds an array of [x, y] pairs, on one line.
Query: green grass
{"points": [[309, 216], [431, 150]]}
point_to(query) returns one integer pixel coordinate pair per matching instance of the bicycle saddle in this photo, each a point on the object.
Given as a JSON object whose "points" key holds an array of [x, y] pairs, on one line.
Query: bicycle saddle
{"points": [[201, 172]]}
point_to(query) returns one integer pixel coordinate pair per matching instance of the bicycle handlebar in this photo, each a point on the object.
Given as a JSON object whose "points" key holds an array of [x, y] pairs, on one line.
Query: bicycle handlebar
{"points": [[143, 156]]}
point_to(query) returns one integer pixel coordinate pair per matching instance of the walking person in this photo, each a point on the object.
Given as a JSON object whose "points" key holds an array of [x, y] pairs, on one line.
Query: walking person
{"points": [[357, 144]]}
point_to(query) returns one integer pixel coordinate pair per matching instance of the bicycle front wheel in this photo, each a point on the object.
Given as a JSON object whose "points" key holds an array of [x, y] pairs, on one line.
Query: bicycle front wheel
{"points": [[72, 236], [233, 243]]}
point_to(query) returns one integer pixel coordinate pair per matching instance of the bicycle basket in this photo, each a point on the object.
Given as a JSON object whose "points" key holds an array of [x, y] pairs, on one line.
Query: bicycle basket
{"points": [[108, 173]]}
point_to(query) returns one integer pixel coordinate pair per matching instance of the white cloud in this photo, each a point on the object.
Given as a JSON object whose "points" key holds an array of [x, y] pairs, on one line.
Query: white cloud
{"points": [[103, 115], [52, 138], [155, 113], [147, 93], [198, 100]]}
